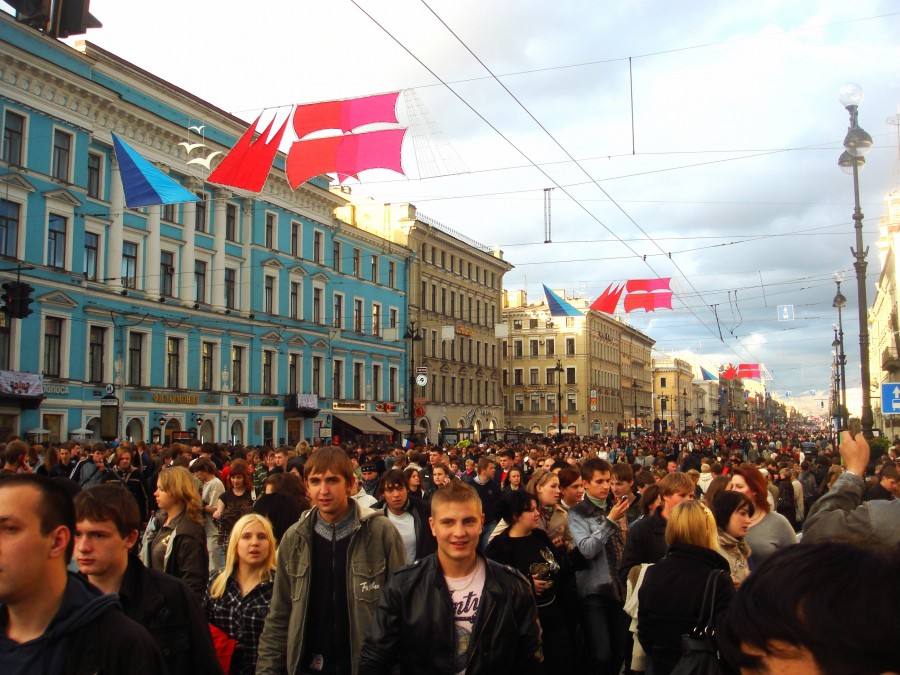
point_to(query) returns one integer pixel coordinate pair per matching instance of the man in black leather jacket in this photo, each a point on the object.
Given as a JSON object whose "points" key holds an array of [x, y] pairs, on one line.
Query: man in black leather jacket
{"points": [[454, 611]]}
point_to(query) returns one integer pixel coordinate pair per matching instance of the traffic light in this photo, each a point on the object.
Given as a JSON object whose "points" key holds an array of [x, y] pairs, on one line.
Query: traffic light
{"points": [[10, 293], [75, 19], [57, 18], [34, 13], [23, 300]]}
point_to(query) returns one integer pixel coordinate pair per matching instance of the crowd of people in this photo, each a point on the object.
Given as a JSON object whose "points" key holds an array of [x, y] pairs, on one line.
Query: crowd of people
{"points": [[595, 554]]}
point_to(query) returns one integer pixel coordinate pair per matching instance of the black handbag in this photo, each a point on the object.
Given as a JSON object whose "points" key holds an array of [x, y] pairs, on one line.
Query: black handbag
{"points": [[700, 654]]}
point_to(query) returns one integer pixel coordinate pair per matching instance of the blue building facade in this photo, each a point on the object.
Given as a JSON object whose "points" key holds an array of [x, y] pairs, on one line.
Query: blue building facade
{"points": [[245, 318]]}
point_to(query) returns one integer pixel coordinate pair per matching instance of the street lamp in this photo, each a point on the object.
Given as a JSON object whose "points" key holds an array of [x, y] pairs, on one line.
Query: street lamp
{"points": [[664, 407], [839, 303], [856, 144], [413, 336], [685, 399], [559, 372], [634, 390]]}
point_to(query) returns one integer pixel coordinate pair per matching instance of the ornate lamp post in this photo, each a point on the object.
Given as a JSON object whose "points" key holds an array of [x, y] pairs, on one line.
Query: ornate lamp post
{"points": [[840, 302], [559, 371], [413, 336], [856, 144], [634, 390]]}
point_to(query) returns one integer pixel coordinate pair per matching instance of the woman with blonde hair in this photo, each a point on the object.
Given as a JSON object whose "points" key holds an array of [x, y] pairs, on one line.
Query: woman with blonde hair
{"points": [[670, 598], [175, 539], [238, 598]]}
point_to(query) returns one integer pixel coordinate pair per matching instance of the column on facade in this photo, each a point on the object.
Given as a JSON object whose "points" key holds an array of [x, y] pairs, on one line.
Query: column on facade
{"points": [[187, 287], [218, 270], [152, 280], [246, 240], [115, 233]]}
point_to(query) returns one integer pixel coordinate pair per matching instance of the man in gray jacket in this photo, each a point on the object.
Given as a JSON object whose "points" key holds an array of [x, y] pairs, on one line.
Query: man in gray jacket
{"points": [[841, 514], [332, 566]]}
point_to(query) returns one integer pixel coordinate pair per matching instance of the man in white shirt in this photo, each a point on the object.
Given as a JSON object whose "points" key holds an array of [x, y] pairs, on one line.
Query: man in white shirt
{"points": [[211, 489]]}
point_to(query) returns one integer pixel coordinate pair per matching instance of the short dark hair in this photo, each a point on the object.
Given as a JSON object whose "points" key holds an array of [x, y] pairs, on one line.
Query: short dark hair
{"points": [[332, 459], [513, 504], [55, 505], [803, 595], [14, 450], [727, 502], [109, 502], [623, 472], [592, 466], [392, 478], [648, 496], [567, 477]]}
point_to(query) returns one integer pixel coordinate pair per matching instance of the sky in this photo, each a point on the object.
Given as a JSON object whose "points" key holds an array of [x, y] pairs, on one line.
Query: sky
{"points": [[691, 140]]}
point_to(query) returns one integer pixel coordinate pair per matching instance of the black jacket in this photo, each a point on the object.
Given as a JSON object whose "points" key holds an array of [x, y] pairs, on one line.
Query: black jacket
{"points": [[414, 627], [645, 543], [670, 599], [420, 511], [167, 608]]}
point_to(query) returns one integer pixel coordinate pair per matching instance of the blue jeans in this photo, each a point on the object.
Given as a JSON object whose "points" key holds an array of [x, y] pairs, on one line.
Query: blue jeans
{"points": [[604, 632]]}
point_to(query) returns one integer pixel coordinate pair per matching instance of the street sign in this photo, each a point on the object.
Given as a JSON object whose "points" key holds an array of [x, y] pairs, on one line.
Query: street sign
{"points": [[890, 398], [785, 312], [421, 379], [422, 370]]}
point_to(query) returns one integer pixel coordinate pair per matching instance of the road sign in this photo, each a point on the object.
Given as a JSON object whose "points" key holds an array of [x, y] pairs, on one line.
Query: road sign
{"points": [[785, 312], [421, 379], [422, 370], [890, 398]]}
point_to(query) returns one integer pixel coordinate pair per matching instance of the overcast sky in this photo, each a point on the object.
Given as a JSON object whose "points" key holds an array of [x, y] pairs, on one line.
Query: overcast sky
{"points": [[727, 160]]}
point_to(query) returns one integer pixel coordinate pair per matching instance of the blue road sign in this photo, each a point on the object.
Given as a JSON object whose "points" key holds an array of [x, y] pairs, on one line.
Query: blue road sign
{"points": [[785, 312], [890, 398]]}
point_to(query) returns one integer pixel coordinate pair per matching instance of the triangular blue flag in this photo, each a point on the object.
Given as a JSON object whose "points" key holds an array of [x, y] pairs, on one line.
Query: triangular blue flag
{"points": [[707, 375], [558, 306], [143, 183]]}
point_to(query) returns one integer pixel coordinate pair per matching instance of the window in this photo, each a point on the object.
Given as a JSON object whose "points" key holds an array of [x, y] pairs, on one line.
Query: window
{"points": [[53, 328], [91, 255], [230, 288], [517, 377], [336, 256], [662, 383], [95, 162], [9, 228], [532, 324], [570, 375], [295, 239], [517, 324], [358, 315], [295, 300], [317, 305], [293, 373], [317, 375], [551, 375], [551, 402], [571, 405], [269, 295], [317, 248], [550, 347], [535, 403], [452, 303], [56, 241], [393, 375], [135, 359], [375, 268], [129, 264], [231, 222], [206, 365], [520, 403], [168, 213], [268, 358], [166, 273], [570, 322], [200, 215], [570, 346], [392, 318], [200, 281], [533, 347], [338, 319], [62, 151], [237, 368], [270, 230], [358, 381], [376, 320], [517, 348], [443, 300], [534, 376], [173, 362], [96, 354], [13, 135], [356, 263], [392, 273], [337, 376], [376, 382]]}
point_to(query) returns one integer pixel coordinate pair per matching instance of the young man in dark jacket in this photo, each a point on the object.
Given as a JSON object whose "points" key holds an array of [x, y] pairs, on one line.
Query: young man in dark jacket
{"points": [[106, 529], [408, 514], [53, 621], [454, 611]]}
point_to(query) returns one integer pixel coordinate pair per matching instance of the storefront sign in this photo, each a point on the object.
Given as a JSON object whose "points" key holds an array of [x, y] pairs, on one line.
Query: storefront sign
{"points": [[182, 399], [269, 402], [462, 330], [345, 405], [56, 389]]}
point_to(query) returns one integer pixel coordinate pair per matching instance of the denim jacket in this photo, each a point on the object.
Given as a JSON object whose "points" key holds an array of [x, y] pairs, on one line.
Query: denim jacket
{"points": [[591, 529], [376, 551]]}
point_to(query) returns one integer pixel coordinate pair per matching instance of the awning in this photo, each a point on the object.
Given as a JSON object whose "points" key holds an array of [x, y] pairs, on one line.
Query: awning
{"points": [[363, 424], [391, 423]]}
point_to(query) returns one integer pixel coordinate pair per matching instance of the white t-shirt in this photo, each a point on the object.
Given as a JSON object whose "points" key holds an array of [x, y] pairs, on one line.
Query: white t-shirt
{"points": [[209, 495], [466, 594], [406, 526]]}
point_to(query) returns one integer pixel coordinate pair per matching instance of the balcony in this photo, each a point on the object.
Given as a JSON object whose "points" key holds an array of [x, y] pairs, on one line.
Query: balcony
{"points": [[889, 360]]}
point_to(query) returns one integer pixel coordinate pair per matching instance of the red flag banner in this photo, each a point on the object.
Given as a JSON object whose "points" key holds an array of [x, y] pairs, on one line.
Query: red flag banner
{"points": [[648, 285], [648, 301], [748, 370], [247, 165], [729, 374], [345, 115], [606, 302], [344, 155]]}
